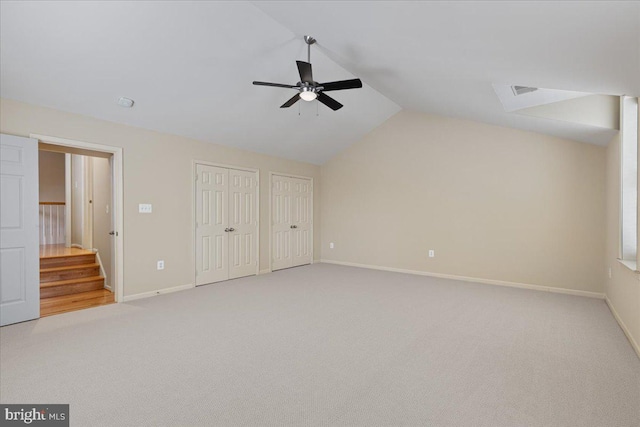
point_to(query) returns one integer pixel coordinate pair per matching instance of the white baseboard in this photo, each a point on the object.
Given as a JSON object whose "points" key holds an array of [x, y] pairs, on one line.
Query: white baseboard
{"points": [[624, 328], [473, 279], [134, 297], [265, 271]]}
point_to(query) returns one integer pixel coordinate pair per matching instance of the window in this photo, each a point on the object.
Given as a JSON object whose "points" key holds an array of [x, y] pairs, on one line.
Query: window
{"points": [[629, 180]]}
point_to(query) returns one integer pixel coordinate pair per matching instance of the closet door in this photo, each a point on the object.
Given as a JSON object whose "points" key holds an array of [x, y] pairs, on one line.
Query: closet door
{"points": [[301, 226], [280, 222], [291, 222], [243, 223], [212, 245]]}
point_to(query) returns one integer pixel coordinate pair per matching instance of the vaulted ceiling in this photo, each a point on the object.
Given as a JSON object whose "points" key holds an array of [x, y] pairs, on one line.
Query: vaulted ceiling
{"points": [[189, 65]]}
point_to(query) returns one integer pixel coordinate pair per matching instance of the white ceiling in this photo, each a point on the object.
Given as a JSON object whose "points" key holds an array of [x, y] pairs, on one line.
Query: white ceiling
{"points": [[189, 66]]}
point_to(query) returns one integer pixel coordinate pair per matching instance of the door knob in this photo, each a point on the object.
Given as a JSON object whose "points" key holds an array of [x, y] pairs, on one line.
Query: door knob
{"points": [[232, 229], [294, 226], [112, 233], [226, 230]]}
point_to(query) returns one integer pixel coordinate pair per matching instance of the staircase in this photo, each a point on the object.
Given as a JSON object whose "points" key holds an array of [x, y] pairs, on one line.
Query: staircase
{"points": [[71, 280]]}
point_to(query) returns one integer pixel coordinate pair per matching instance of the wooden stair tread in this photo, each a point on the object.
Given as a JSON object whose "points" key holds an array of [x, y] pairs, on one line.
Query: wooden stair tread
{"points": [[66, 255], [67, 260], [69, 267], [79, 301], [71, 281], [81, 296]]}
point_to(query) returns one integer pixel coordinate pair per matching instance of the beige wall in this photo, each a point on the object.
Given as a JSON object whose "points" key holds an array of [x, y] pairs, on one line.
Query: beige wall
{"points": [[593, 110], [494, 203], [51, 170], [158, 170], [623, 288]]}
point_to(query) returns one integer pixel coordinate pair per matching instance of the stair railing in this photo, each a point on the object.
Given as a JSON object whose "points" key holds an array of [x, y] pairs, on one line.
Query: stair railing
{"points": [[52, 222]]}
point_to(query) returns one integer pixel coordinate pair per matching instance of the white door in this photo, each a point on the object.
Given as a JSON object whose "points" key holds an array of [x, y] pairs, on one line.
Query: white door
{"points": [[301, 221], [19, 244], [243, 223], [103, 214], [291, 222], [87, 203], [212, 246], [226, 224], [280, 222], [112, 233]]}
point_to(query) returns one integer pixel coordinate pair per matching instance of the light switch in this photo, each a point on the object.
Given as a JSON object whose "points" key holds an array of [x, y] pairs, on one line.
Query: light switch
{"points": [[144, 208]]}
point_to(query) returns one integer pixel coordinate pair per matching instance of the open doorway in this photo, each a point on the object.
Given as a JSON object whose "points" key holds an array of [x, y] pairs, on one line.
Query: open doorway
{"points": [[77, 229]]}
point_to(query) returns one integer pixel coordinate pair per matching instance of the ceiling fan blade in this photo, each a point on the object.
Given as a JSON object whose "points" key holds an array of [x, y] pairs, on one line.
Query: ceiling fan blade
{"points": [[275, 85], [329, 101], [304, 68], [342, 84], [295, 98]]}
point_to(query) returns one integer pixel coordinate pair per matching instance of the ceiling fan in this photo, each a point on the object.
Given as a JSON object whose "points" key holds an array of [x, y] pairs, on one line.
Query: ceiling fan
{"points": [[308, 89]]}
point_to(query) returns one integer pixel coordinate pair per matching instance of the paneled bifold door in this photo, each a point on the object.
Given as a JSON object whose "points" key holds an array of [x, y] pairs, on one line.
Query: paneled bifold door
{"points": [[291, 222], [19, 270], [226, 224]]}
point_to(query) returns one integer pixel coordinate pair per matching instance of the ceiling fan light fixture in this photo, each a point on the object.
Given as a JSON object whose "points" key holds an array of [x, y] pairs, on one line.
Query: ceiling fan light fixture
{"points": [[308, 94]]}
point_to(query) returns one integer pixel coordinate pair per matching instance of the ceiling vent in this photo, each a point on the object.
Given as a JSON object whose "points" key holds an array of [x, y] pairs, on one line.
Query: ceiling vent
{"points": [[521, 90]]}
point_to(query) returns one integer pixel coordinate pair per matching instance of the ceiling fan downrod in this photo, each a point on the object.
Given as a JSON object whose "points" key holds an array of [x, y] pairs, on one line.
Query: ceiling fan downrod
{"points": [[309, 41]]}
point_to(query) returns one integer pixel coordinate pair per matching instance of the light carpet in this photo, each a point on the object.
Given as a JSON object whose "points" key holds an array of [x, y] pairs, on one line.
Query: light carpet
{"points": [[327, 345]]}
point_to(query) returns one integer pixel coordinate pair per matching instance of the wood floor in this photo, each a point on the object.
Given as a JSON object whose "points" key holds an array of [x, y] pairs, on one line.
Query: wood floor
{"points": [[70, 280], [52, 251]]}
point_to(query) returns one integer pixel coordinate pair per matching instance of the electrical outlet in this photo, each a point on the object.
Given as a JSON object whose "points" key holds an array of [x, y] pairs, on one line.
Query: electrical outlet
{"points": [[432, 253], [331, 245], [144, 208], [161, 265]]}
